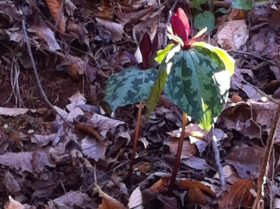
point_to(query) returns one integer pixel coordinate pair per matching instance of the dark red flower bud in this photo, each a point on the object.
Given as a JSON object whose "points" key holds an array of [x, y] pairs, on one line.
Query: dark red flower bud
{"points": [[180, 25]]}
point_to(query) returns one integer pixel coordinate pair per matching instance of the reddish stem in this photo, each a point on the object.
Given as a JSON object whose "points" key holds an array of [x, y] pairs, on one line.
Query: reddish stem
{"points": [[135, 139], [179, 152]]}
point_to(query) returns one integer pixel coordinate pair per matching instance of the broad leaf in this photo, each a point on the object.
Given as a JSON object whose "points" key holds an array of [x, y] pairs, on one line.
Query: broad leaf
{"points": [[130, 86], [205, 19], [198, 84], [242, 4], [222, 54], [166, 58]]}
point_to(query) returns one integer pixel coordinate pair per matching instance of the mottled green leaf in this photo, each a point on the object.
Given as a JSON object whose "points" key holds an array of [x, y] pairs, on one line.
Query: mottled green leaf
{"points": [[222, 54], [242, 4], [130, 86], [205, 19], [167, 59], [198, 84]]}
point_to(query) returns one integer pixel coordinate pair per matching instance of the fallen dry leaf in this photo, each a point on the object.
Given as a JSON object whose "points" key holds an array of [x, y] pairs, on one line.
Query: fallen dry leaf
{"points": [[116, 29], [238, 196], [109, 202], [57, 14], [26, 161], [198, 193], [13, 204], [73, 199], [246, 160], [47, 35], [92, 148], [5, 111], [233, 35]]}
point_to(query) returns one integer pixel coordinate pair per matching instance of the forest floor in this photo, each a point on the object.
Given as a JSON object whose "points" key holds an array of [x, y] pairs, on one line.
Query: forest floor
{"points": [[83, 160]]}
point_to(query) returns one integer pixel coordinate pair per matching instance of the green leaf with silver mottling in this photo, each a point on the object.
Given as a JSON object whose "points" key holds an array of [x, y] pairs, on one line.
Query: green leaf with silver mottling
{"points": [[204, 19], [193, 84], [222, 54], [130, 86], [242, 4], [164, 70]]}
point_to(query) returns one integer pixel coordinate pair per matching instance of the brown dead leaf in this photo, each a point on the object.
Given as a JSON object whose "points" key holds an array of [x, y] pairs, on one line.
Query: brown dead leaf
{"points": [[161, 185], [93, 148], [47, 35], [198, 193], [238, 196], [246, 160], [188, 150], [26, 161], [233, 35], [5, 111], [57, 13], [109, 202], [73, 199], [13, 204], [116, 29]]}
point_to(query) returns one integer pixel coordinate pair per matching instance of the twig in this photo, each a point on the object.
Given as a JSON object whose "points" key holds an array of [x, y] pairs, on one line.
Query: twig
{"points": [[179, 152], [265, 162], [27, 41], [254, 55], [135, 139], [217, 160]]}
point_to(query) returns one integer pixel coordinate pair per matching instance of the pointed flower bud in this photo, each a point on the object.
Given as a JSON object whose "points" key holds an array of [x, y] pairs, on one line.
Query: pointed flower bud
{"points": [[180, 25]]}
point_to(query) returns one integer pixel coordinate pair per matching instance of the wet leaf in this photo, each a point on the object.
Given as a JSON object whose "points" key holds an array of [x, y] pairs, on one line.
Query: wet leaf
{"points": [[116, 29]]}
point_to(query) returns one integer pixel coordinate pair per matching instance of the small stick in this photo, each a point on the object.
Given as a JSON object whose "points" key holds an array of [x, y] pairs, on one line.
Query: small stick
{"points": [[217, 160], [136, 138], [179, 152], [256, 56], [265, 162], [27, 41]]}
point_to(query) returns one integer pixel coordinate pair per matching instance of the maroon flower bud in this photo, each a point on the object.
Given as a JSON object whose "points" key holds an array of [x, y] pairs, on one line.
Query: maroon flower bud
{"points": [[180, 25]]}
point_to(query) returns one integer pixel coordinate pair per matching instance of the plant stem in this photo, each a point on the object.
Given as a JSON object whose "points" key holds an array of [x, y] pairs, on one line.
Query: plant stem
{"points": [[265, 162], [179, 152], [135, 139]]}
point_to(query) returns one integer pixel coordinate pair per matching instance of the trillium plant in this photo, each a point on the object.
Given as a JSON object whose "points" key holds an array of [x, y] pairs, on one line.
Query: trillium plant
{"points": [[194, 75]]}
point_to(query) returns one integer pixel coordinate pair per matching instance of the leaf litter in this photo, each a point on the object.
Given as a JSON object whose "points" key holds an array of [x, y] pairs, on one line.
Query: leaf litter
{"points": [[77, 46]]}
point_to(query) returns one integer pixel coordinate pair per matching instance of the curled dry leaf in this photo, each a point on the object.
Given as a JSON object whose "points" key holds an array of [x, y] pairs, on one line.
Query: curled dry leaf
{"points": [[57, 13], [238, 196], [198, 193], [13, 204], [109, 202], [233, 35], [116, 29]]}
